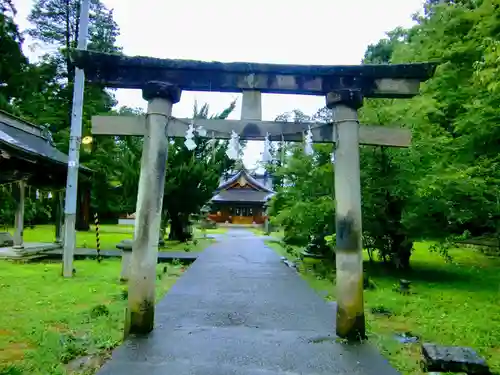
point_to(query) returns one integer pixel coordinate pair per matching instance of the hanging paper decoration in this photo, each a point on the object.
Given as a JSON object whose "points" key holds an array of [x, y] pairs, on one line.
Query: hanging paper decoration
{"points": [[234, 145], [266, 155], [189, 142], [201, 131], [49, 195], [37, 194], [308, 149]]}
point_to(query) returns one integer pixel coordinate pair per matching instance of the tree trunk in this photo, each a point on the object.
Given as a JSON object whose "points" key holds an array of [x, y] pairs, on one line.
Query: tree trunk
{"points": [[83, 209], [163, 228], [179, 228], [402, 253]]}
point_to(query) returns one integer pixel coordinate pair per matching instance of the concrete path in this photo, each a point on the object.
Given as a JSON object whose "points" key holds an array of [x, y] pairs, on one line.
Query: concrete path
{"points": [[239, 310]]}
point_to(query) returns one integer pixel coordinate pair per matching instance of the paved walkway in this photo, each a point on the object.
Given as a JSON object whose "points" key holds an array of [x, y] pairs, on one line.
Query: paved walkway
{"points": [[239, 310]]}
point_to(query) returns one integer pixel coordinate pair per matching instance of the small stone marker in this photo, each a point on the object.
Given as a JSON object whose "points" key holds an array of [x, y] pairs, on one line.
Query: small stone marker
{"points": [[453, 359], [126, 247], [404, 286]]}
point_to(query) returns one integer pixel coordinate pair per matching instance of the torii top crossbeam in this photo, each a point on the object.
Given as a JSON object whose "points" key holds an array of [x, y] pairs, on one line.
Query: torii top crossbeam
{"points": [[375, 81]]}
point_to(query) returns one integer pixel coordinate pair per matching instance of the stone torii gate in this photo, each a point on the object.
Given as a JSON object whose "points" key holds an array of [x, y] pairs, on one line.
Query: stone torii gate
{"points": [[343, 87]]}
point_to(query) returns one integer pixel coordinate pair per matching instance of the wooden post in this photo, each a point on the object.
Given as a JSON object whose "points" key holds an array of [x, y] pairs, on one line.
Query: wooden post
{"points": [[83, 208], [19, 218], [59, 217], [141, 295], [349, 257], [97, 240]]}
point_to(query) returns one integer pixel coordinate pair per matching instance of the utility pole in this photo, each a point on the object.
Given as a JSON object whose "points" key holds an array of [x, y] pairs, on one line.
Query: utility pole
{"points": [[74, 148]]}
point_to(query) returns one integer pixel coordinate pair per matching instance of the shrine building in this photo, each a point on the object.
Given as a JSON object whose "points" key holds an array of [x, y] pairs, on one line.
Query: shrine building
{"points": [[241, 198]]}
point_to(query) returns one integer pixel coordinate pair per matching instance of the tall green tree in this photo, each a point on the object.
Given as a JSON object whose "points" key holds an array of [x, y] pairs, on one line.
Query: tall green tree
{"points": [[193, 176], [304, 205], [450, 173], [118, 158], [56, 25], [18, 81], [445, 184], [13, 63]]}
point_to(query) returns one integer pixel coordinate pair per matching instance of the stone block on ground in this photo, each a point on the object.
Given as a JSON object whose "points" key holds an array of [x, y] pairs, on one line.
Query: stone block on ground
{"points": [[125, 245], [453, 359], [6, 239]]}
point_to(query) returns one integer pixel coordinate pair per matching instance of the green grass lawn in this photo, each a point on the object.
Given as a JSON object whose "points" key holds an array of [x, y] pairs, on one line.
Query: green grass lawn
{"points": [[453, 303], [46, 320], [111, 235]]}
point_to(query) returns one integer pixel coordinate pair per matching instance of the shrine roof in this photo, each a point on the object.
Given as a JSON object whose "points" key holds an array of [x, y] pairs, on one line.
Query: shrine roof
{"points": [[243, 173], [32, 150], [120, 71], [242, 195]]}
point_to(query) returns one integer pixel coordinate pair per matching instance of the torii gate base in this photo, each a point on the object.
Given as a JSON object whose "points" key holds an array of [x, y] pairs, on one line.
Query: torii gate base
{"points": [[344, 88]]}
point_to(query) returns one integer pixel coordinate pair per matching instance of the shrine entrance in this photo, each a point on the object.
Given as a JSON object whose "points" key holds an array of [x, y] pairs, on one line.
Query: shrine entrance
{"points": [[344, 88], [242, 215]]}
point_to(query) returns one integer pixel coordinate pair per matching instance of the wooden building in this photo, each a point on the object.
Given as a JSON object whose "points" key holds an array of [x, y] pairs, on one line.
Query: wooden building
{"points": [[28, 157], [242, 198]]}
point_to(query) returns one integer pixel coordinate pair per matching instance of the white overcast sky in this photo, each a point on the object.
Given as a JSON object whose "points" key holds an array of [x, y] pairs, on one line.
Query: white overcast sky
{"points": [[326, 32]]}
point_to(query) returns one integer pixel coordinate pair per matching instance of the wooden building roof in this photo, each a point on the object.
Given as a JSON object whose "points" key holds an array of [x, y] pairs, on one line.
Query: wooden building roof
{"points": [[27, 152], [242, 187]]}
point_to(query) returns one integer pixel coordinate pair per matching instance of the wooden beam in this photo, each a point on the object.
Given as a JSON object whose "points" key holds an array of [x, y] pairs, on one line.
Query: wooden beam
{"points": [[252, 130], [132, 72]]}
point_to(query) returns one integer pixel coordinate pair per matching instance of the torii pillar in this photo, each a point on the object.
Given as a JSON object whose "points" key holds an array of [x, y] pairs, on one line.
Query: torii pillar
{"points": [[141, 291], [349, 250]]}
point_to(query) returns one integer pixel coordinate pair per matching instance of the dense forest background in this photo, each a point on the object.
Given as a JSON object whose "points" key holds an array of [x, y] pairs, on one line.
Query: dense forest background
{"points": [[446, 186], [442, 188], [42, 92]]}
